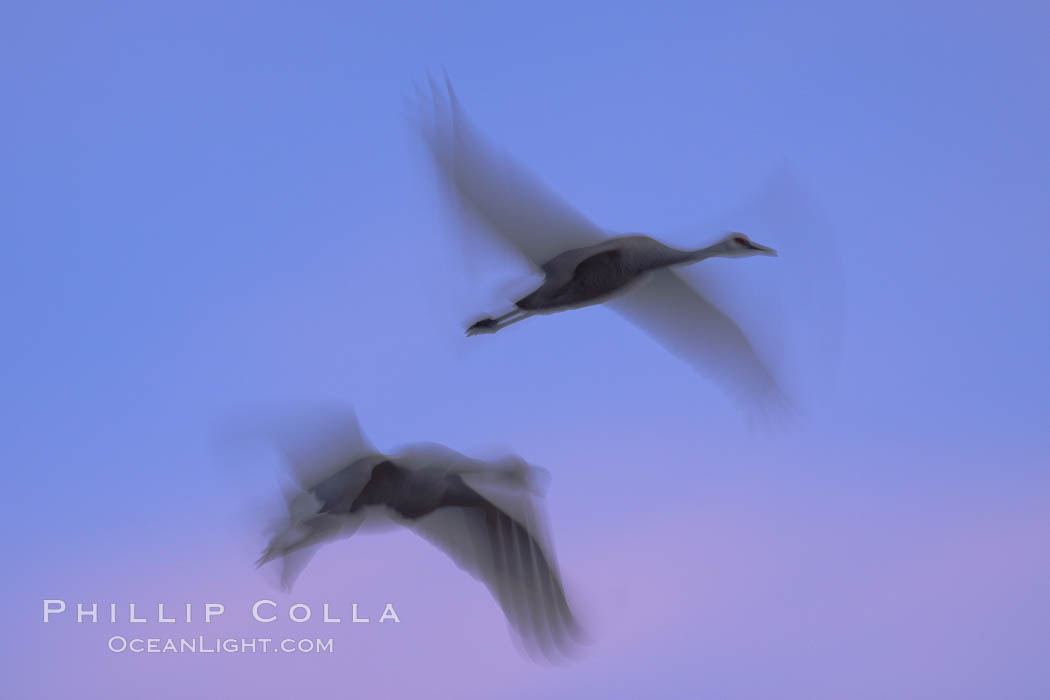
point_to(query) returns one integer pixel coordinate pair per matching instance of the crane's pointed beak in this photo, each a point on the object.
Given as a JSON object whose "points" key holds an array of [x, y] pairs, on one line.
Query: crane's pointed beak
{"points": [[761, 249]]}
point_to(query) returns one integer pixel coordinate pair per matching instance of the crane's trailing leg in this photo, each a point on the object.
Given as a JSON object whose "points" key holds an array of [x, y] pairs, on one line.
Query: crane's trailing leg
{"points": [[491, 325]]}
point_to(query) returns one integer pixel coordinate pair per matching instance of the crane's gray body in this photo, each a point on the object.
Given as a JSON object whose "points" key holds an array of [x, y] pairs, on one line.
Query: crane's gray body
{"points": [[594, 274]]}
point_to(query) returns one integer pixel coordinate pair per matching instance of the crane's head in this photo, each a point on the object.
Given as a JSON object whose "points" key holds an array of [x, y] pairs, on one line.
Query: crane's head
{"points": [[737, 245]]}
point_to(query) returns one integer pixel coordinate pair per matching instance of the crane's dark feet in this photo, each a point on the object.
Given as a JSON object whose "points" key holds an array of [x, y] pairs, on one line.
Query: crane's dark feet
{"points": [[485, 325]]}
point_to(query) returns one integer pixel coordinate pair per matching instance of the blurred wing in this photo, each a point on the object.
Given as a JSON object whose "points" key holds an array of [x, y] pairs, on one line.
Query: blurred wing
{"points": [[502, 553], [692, 328], [802, 295], [812, 292], [315, 441], [314, 534], [509, 202]]}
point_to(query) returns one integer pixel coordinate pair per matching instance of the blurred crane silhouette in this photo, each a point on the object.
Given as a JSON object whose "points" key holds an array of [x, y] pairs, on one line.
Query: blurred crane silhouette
{"points": [[583, 265], [482, 514]]}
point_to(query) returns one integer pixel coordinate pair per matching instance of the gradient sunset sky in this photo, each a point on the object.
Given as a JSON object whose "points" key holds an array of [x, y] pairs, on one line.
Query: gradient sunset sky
{"points": [[212, 206]]}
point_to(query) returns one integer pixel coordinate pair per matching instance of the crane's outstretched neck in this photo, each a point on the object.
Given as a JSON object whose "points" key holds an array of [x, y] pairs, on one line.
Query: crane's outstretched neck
{"points": [[735, 245], [645, 253], [692, 256]]}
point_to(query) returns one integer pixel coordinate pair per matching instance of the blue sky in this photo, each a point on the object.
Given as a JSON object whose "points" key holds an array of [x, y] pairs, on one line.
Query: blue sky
{"points": [[211, 206]]}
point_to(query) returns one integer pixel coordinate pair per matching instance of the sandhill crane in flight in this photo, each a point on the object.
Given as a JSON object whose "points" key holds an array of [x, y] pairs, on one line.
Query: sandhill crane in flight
{"points": [[582, 264], [597, 273], [482, 514]]}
